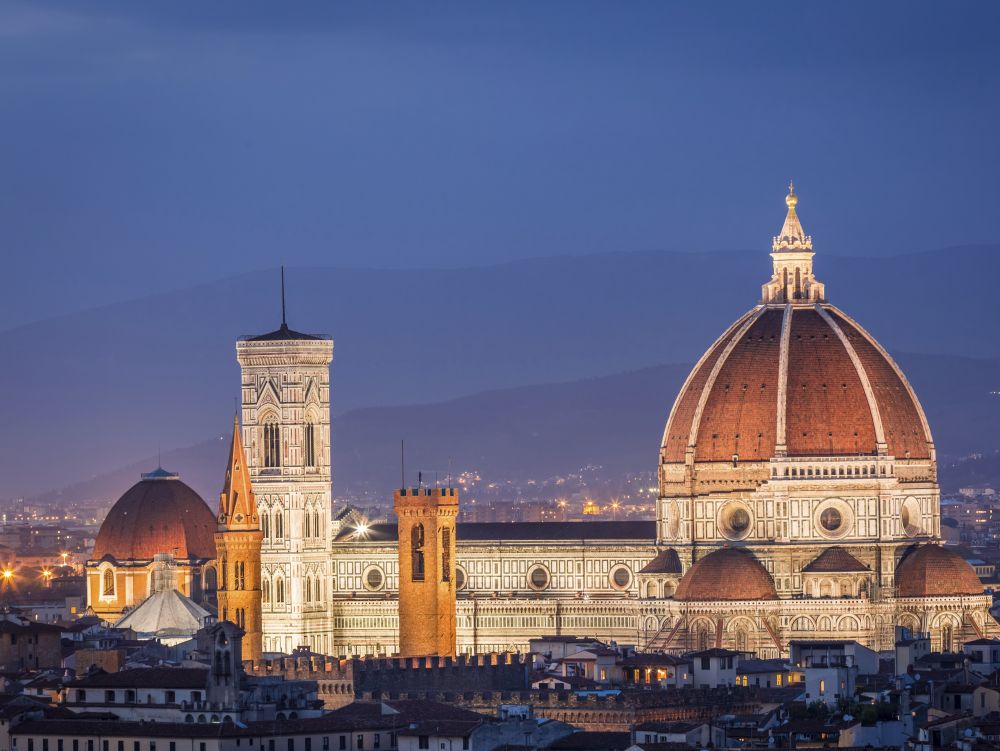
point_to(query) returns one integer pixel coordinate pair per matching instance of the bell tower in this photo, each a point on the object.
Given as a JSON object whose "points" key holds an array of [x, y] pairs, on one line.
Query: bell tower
{"points": [[237, 543], [286, 430], [426, 570]]}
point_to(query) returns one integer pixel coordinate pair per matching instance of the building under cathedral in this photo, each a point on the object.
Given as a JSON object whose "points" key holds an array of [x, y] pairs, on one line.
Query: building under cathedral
{"points": [[798, 499]]}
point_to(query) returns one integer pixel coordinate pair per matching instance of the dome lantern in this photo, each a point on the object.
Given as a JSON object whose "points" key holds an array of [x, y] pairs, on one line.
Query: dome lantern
{"points": [[791, 250]]}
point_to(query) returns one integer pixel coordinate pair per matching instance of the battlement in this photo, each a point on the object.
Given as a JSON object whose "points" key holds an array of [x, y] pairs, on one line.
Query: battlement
{"points": [[422, 492], [340, 679], [309, 666]]}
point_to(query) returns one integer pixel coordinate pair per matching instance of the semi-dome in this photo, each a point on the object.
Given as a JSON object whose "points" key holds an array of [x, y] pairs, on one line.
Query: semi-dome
{"points": [[795, 377], [159, 514], [933, 570], [726, 574]]}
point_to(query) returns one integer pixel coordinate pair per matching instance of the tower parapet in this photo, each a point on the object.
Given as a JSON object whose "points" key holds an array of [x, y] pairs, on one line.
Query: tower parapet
{"points": [[427, 576]]}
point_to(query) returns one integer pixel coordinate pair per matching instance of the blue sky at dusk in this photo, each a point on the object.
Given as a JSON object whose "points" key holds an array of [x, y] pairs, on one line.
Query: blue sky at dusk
{"points": [[149, 146]]}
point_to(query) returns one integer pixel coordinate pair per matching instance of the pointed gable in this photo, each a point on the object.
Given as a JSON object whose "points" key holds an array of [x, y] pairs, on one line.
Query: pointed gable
{"points": [[237, 504]]}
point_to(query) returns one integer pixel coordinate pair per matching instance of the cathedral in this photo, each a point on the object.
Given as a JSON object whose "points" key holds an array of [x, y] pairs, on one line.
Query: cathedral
{"points": [[798, 499]]}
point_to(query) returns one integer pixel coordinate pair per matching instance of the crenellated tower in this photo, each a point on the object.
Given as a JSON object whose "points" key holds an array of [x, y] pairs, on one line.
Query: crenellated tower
{"points": [[427, 582], [237, 544]]}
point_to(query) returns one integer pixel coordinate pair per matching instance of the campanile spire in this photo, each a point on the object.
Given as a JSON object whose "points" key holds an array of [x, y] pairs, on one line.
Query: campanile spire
{"points": [[792, 280]]}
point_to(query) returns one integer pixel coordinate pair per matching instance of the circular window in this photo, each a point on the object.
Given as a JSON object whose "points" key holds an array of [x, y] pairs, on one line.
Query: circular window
{"points": [[621, 577], [833, 518], [735, 521], [374, 579], [911, 518], [460, 578], [538, 578]]}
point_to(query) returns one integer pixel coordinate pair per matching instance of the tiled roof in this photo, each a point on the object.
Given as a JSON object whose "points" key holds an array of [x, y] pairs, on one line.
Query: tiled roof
{"points": [[145, 678], [10, 627], [929, 570], [827, 412], [666, 562], [132, 729], [283, 333], [726, 574], [834, 559], [593, 741], [157, 515]]}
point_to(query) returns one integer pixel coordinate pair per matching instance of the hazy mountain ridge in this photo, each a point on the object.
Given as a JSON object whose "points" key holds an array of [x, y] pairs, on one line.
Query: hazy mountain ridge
{"points": [[538, 431], [109, 385]]}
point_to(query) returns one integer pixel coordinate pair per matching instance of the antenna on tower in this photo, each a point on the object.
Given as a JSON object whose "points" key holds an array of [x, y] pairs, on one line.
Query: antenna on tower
{"points": [[283, 323], [402, 464]]}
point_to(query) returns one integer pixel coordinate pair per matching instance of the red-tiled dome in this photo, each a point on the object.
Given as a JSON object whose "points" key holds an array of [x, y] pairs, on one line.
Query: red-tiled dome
{"points": [[726, 574], [827, 409], [929, 570], [159, 514]]}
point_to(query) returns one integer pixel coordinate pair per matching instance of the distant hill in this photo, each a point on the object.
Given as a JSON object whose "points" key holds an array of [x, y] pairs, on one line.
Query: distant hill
{"points": [[976, 471], [109, 386], [538, 431]]}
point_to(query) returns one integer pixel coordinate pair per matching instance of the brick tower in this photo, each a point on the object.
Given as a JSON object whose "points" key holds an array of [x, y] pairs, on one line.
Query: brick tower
{"points": [[426, 570], [237, 543]]}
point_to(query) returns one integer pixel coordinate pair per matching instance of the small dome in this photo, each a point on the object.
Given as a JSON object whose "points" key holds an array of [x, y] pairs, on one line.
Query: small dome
{"points": [[726, 574], [933, 570], [159, 514]]}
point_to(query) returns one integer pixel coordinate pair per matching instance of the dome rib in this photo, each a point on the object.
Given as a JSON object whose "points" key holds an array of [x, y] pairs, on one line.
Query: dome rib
{"points": [[713, 376], [863, 376], [897, 401], [739, 416], [827, 411], [677, 433]]}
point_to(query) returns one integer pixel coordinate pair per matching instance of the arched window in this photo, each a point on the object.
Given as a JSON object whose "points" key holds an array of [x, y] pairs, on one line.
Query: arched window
{"points": [[742, 641], [307, 588], [240, 574], [279, 525], [272, 444], [317, 595], [417, 553], [265, 590], [946, 638], [309, 444], [317, 531], [265, 524], [279, 591], [446, 555], [308, 518], [225, 574], [109, 583]]}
